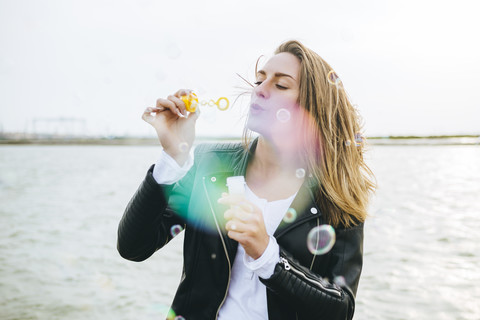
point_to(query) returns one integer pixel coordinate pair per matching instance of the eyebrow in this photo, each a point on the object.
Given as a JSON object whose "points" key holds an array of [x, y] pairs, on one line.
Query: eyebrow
{"points": [[277, 74]]}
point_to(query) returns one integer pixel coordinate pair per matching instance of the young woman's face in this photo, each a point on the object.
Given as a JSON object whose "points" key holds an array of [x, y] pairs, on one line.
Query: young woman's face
{"points": [[274, 105]]}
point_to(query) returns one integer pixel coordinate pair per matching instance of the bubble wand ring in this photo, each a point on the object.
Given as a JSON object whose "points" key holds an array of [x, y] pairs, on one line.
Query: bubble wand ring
{"points": [[225, 107]]}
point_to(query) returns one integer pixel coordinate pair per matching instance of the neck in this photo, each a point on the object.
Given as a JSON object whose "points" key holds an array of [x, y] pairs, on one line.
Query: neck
{"points": [[273, 159]]}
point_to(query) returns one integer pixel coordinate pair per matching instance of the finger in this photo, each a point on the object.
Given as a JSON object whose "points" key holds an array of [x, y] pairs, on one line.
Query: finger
{"points": [[147, 113], [229, 199], [168, 104], [235, 225], [237, 213], [148, 110], [151, 110], [229, 214], [237, 236], [182, 108], [239, 201], [246, 206], [194, 115], [182, 92]]}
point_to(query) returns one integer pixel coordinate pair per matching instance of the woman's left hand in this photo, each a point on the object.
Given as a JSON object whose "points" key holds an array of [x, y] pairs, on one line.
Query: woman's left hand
{"points": [[245, 224]]}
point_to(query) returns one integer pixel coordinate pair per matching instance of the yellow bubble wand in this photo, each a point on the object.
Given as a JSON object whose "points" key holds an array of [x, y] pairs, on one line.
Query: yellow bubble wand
{"points": [[191, 102]]}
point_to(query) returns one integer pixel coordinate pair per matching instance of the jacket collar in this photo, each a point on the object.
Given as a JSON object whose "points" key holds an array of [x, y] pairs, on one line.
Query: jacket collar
{"points": [[242, 158]]}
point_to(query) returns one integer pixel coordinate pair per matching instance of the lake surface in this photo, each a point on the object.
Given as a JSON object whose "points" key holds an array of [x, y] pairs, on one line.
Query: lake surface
{"points": [[60, 208]]}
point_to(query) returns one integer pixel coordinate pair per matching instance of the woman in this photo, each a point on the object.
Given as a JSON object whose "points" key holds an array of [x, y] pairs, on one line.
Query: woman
{"points": [[243, 258]]}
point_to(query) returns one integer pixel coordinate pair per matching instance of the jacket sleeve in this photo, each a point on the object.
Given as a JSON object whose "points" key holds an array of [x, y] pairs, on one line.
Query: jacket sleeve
{"points": [[313, 296], [146, 222]]}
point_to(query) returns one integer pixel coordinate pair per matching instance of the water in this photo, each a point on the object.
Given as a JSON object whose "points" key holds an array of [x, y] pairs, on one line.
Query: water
{"points": [[60, 207]]}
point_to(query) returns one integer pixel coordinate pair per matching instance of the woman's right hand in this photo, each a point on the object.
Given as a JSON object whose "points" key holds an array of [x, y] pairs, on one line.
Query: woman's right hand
{"points": [[175, 128]]}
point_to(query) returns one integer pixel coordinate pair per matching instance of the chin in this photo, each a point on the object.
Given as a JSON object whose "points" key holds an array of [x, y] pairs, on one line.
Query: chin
{"points": [[256, 125]]}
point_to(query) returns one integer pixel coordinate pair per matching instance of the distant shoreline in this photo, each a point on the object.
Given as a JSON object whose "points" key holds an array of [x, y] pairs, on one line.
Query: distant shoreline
{"points": [[122, 141]]}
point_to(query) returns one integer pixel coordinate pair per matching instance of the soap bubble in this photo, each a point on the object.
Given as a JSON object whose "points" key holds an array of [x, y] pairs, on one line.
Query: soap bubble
{"points": [[290, 215], [172, 50], [179, 318], [358, 139], [300, 173], [175, 230], [340, 281], [321, 239], [348, 143], [160, 75], [104, 281], [334, 79], [283, 115], [183, 146]]}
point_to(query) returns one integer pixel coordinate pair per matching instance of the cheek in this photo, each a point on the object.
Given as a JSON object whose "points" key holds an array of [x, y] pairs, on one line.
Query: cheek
{"points": [[286, 102], [289, 111]]}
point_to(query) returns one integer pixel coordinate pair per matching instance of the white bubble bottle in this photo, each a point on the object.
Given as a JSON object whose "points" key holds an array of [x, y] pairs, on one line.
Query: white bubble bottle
{"points": [[236, 185]]}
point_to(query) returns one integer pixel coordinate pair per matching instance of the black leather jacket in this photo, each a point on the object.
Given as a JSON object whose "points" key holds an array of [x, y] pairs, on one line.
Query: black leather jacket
{"points": [[301, 286]]}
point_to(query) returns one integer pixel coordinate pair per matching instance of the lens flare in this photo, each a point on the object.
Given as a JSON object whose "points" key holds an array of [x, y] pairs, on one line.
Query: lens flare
{"points": [[171, 315], [321, 239], [290, 215]]}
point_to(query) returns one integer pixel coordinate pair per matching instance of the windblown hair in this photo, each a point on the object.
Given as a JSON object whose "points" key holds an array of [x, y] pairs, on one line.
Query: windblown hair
{"points": [[333, 144]]}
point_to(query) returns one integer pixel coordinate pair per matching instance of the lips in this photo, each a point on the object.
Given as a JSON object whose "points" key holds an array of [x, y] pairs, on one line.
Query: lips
{"points": [[255, 108]]}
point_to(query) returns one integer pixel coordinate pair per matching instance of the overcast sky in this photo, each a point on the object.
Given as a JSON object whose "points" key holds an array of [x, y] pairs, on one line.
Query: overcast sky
{"points": [[410, 66]]}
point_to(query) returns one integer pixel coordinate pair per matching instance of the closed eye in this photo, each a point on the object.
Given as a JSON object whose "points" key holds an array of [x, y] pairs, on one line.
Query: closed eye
{"points": [[278, 85]]}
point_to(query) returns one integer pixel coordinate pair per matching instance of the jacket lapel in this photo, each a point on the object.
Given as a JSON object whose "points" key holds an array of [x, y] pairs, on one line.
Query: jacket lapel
{"points": [[215, 183]]}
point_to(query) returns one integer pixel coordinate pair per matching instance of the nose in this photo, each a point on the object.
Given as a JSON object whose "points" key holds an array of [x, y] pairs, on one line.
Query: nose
{"points": [[262, 90]]}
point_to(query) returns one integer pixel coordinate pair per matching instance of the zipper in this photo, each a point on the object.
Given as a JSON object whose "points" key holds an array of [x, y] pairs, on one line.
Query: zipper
{"points": [[224, 247], [287, 266], [314, 256]]}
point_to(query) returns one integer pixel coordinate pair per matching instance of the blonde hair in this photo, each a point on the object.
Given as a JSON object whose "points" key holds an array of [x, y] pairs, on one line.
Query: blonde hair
{"points": [[333, 144]]}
